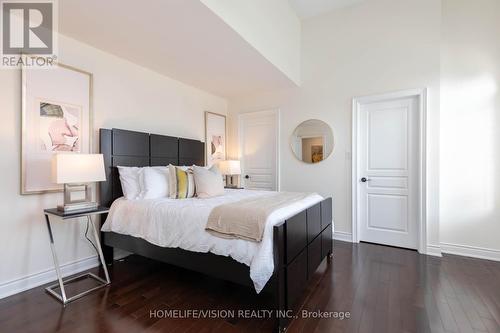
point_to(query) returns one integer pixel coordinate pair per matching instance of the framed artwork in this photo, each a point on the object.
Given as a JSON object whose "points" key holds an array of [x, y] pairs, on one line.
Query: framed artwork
{"points": [[316, 153], [215, 138], [56, 117]]}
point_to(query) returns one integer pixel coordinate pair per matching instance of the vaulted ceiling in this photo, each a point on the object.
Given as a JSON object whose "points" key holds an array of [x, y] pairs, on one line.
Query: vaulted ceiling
{"points": [[182, 39]]}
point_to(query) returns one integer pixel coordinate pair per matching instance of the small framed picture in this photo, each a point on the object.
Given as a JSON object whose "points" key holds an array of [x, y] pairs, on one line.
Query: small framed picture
{"points": [[56, 117], [316, 153], [215, 138]]}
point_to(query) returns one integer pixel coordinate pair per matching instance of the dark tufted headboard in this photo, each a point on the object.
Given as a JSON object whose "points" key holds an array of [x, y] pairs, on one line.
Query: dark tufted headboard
{"points": [[128, 148]]}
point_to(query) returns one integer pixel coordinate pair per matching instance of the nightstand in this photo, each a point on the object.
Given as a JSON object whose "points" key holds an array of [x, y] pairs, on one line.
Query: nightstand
{"points": [[234, 188], [102, 282]]}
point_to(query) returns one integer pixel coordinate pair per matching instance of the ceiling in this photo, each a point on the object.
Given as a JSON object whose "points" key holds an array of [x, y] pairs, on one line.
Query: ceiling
{"points": [[182, 39], [309, 8]]}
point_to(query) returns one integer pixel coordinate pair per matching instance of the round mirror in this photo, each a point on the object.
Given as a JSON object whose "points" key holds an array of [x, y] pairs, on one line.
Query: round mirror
{"points": [[312, 141]]}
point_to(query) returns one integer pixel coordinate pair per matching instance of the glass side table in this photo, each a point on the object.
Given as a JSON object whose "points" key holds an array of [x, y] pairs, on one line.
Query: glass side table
{"points": [[61, 282]]}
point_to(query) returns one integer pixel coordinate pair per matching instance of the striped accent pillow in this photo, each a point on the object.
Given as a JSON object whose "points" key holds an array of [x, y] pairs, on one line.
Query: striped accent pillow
{"points": [[181, 182]]}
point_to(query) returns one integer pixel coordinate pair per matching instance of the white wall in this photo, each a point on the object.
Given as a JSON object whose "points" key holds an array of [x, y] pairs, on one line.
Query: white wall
{"points": [[470, 119], [271, 27], [376, 47], [125, 96]]}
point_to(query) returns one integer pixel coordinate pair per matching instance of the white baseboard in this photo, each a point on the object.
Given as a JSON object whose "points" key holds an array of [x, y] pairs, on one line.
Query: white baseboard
{"points": [[37, 279], [342, 236], [471, 251], [434, 250]]}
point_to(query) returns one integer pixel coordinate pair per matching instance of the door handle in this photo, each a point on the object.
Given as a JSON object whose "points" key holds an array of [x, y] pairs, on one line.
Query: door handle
{"points": [[364, 180], [247, 176]]}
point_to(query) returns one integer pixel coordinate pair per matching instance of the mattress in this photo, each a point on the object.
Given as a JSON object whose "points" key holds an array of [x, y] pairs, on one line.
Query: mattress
{"points": [[180, 223]]}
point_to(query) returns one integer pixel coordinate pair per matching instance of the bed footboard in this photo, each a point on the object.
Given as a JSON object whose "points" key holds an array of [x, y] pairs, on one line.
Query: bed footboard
{"points": [[300, 245]]}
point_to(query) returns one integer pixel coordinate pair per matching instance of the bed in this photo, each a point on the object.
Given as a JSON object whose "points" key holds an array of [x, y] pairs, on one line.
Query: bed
{"points": [[296, 240]]}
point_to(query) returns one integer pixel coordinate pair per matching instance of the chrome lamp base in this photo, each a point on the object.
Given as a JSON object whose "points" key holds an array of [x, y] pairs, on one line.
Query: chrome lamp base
{"points": [[231, 182], [77, 198]]}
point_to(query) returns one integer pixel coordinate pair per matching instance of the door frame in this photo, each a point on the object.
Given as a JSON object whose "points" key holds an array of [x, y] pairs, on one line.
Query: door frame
{"points": [[421, 95], [276, 113]]}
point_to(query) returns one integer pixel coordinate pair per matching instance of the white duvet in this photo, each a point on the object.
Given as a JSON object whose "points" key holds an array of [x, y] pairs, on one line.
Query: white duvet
{"points": [[181, 223]]}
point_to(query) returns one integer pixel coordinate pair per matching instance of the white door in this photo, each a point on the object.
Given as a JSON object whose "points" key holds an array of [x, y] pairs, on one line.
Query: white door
{"points": [[259, 133], [388, 172]]}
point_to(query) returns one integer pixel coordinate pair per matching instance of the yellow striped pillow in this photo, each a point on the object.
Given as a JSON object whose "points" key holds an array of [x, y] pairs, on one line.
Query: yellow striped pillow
{"points": [[181, 182]]}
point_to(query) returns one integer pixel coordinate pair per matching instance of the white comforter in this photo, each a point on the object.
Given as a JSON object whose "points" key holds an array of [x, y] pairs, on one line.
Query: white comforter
{"points": [[181, 223]]}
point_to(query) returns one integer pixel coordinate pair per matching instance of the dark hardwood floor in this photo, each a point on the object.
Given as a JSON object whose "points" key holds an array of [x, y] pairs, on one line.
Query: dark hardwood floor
{"points": [[384, 289]]}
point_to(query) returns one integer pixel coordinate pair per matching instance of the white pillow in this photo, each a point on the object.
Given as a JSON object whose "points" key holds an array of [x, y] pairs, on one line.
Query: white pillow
{"points": [[208, 182], [155, 183], [130, 178]]}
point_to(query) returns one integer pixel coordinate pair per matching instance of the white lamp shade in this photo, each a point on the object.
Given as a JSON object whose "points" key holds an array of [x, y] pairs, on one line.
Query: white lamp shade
{"points": [[78, 168], [230, 168]]}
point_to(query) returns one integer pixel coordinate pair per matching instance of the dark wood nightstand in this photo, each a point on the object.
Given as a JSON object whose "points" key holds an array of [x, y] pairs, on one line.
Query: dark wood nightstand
{"points": [[102, 282], [234, 188]]}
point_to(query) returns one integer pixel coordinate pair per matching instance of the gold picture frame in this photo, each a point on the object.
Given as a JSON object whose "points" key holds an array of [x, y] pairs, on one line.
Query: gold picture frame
{"points": [[24, 188]]}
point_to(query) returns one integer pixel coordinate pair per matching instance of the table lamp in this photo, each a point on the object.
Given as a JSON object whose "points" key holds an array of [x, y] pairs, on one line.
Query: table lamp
{"points": [[229, 169], [76, 171]]}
